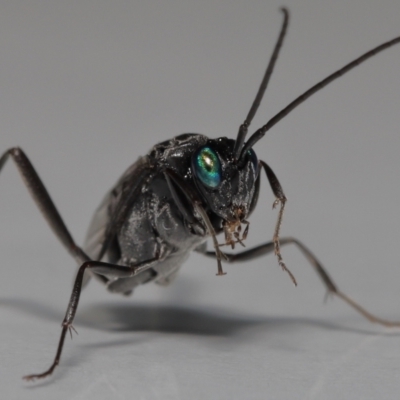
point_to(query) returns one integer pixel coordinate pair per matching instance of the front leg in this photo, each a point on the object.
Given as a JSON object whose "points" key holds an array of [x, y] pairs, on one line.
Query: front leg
{"points": [[281, 199], [172, 178]]}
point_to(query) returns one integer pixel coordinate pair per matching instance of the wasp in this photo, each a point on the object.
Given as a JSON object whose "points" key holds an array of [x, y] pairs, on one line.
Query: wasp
{"points": [[169, 202]]}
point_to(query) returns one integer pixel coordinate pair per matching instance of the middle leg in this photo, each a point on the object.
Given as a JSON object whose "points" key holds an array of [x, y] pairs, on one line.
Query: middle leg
{"points": [[332, 288], [97, 267]]}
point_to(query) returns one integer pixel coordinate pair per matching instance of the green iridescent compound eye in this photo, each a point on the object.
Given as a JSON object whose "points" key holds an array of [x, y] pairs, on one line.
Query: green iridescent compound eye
{"points": [[207, 167]]}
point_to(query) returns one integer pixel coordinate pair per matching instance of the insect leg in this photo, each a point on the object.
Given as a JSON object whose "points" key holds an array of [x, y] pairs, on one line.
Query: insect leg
{"points": [[280, 198], [267, 248], [97, 267], [43, 201], [172, 178]]}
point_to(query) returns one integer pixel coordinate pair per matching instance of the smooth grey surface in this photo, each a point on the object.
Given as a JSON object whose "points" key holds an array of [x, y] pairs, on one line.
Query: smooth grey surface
{"points": [[88, 86]]}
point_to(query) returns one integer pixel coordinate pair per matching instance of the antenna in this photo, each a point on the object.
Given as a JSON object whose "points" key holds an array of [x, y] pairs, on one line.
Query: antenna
{"points": [[264, 83]]}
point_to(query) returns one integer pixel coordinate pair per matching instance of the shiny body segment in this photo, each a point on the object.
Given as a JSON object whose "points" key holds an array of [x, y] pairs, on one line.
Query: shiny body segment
{"points": [[159, 231]]}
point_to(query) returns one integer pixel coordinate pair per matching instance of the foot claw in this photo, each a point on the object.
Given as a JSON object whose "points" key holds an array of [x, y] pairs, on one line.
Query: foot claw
{"points": [[285, 269], [33, 377]]}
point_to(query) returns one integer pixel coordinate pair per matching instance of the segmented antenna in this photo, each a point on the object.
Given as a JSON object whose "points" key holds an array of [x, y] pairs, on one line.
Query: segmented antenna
{"points": [[256, 136], [264, 83]]}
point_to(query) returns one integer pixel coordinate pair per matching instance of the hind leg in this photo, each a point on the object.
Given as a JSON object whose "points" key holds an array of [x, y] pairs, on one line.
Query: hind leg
{"points": [[43, 201]]}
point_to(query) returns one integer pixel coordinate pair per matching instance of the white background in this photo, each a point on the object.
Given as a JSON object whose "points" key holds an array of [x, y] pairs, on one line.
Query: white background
{"points": [[88, 86]]}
